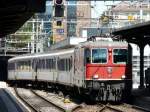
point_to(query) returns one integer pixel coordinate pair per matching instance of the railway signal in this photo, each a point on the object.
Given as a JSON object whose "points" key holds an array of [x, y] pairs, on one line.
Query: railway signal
{"points": [[59, 8]]}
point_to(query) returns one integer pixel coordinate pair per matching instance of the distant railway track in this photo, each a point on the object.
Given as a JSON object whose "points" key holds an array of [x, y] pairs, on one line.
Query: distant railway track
{"points": [[109, 108], [36, 102], [122, 108]]}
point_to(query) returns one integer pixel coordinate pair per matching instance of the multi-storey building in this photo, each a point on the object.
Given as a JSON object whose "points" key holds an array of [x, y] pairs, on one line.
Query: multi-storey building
{"points": [[76, 15], [128, 13]]}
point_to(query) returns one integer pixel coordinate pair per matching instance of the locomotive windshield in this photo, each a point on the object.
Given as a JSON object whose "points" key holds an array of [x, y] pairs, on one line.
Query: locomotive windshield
{"points": [[99, 55], [120, 56]]}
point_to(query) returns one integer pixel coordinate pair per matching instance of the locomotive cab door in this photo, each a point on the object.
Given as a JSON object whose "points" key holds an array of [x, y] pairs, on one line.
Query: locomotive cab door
{"points": [[79, 68]]}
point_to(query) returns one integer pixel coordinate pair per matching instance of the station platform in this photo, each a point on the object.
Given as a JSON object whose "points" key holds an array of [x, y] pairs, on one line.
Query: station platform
{"points": [[8, 101], [141, 97]]}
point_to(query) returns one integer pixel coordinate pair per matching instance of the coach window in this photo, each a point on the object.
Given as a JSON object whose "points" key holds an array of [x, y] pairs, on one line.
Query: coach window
{"points": [[43, 63], [87, 55], [38, 64], [20, 65], [99, 55], [70, 63], [66, 63], [29, 64], [32, 64], [54, 64], [61, 65], [120, 56], [47, 63], [51, 64], [25, 65]]}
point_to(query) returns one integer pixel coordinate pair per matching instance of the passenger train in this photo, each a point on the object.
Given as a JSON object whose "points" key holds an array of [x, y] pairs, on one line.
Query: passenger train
{"points": [[99, 69]]}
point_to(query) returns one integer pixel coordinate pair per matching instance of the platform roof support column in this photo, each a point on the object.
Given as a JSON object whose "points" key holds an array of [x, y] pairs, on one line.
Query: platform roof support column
{"points": [[141, 66]]}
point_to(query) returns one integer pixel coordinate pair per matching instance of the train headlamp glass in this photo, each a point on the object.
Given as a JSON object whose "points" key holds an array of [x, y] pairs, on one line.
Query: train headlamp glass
{"points": [[123, 76], [95, 76]]}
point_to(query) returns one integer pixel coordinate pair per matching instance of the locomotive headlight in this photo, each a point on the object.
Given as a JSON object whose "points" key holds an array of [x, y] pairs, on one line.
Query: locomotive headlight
{"points": [[95, 76], [123, 76]]}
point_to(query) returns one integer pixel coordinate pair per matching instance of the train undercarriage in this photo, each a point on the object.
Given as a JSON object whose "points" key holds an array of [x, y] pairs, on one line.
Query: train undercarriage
{"points": [[106, 91], [115, 91]]}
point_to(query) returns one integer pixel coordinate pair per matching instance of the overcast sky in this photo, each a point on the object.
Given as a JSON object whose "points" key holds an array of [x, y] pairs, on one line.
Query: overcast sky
{"points": [[100, 6]]}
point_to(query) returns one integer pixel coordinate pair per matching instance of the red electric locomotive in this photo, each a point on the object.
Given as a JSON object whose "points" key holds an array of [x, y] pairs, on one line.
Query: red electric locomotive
{"points": [[108, 69]]}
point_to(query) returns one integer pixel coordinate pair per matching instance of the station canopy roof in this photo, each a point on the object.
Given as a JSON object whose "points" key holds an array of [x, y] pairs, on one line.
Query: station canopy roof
{"points": [[14, 13], [135, 33]]}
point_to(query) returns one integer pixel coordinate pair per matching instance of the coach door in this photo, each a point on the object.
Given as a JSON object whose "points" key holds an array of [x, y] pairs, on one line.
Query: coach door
{"points": [[69, 69], [55, 72], [79, 67], [34, 69]]}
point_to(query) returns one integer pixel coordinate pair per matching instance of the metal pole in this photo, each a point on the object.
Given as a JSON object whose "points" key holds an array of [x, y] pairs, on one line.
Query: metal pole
{"points": [[37, 37], [141, 66], [5, 48], [32, 38]]}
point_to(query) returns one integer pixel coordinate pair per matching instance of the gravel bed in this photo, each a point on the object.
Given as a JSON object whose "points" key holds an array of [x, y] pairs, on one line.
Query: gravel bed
{"points": [[125, 108], [54, 98], [36, 102]]}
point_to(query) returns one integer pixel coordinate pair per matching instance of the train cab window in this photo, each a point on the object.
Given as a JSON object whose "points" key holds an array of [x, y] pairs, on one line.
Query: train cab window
{"points": [[120, 56], [99, 55], [87, 55]]}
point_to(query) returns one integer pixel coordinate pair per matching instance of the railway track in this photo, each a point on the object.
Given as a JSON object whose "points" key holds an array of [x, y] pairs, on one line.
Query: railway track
{"points": [[126, 108], [36, 102], [109, 108], [40, 103]]}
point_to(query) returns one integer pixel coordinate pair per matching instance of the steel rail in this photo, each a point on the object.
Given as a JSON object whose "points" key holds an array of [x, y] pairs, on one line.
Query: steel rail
{"points": [[115, 109], [26, 103], [34, 106], [57, 106], [140, 108]]}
